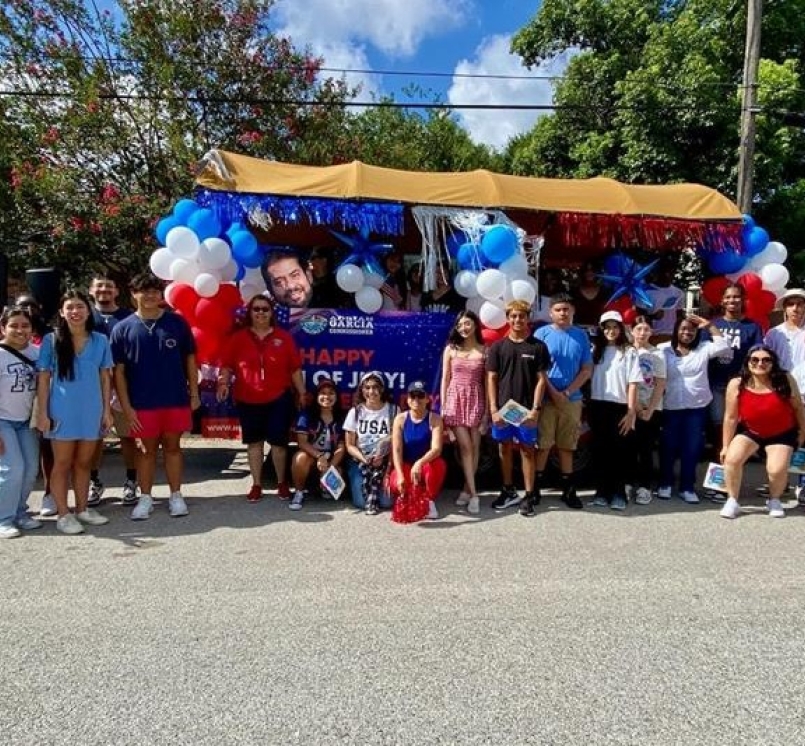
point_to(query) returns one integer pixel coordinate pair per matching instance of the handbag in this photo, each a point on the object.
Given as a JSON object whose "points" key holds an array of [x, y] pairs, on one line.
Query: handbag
{"points": [[25, 359]]}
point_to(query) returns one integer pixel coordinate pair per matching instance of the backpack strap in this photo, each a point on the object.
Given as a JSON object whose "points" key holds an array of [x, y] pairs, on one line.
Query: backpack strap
{"points": [[17, 354]]}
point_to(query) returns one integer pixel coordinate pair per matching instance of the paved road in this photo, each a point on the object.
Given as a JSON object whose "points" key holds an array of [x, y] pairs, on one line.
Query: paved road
{"points": [[249, 624]]}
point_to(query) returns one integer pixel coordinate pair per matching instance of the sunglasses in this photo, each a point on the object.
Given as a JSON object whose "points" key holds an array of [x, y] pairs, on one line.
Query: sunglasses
{"points": [[759, 360], [418, 395], [261, 309]]}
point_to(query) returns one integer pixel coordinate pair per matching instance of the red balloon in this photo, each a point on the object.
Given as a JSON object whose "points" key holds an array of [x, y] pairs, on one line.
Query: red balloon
{"points": [[765, 301], [228, 296], [182, 297], [213, 316], [208, 345], [493, 335], [629, 316], [751, 283], [622, 304], [713, 289]]}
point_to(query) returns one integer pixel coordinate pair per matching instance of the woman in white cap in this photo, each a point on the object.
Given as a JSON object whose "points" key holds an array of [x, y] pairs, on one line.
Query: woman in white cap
{"points": [[763, 410], [418, 467], [367, 429], [788, 339], [613, 410]]}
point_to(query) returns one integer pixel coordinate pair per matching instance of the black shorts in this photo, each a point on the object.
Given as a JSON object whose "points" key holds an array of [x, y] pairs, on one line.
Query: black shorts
{"points": [[270, 423], [785, 438]]}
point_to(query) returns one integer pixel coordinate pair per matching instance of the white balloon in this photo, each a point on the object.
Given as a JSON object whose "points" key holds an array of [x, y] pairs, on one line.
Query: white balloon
{"points": [[206, 284], [214, 253], [515, 267], [774, 276], [491, 284], [182, 242], [248, 290], [774, 253], [184, 270], [229, 271], [465, 283], [369, 299], [349, 278], [372, 279], [492, 316], [160, 263], [522, 290]]}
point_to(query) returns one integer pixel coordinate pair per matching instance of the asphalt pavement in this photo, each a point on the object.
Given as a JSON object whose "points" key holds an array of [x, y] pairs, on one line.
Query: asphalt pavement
{"points": [[252, 624]]}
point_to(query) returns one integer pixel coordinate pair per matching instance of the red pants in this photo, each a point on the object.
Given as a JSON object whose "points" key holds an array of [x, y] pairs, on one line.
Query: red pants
{"points": [[433, 476]]}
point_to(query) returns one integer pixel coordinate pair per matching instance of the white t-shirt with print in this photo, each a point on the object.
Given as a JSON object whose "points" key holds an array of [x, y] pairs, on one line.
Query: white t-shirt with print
{"points": [[17, 385], [612, 376], [652, 368], [372, 426]]}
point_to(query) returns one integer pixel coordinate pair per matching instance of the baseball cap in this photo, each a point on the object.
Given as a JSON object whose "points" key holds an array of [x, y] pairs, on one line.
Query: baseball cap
{"points": [[610, 316], [417, 387], [326, 383]]}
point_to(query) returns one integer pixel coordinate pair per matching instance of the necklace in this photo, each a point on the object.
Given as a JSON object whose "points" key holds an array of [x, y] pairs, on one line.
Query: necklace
{"points": [[149, 327]]}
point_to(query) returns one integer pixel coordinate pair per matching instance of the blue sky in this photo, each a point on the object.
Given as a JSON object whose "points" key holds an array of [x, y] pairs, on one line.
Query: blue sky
{"points": [[447, 36]]}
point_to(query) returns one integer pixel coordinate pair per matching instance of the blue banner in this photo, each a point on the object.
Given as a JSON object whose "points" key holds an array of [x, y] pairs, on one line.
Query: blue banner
{"points": [[343, 345]]}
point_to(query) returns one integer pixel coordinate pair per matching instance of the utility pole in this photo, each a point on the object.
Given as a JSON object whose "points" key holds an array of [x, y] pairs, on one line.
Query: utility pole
{"points": [[749, 109]]}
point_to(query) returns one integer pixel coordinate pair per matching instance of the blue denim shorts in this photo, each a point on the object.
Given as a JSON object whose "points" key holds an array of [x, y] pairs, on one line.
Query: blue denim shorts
{"points": [[525, 436]]}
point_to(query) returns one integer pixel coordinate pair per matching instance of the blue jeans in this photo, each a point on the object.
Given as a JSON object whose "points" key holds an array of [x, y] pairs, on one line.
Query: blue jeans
{"points": [[19, 465], [682, 438], [355, 479]]}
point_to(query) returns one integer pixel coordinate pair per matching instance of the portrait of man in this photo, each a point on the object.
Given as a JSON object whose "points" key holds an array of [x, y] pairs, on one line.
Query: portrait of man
{"points": [[287, 279]]}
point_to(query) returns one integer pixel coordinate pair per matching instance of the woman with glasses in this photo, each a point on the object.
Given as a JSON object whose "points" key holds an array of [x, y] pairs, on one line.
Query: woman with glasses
{"points": [[267, 370], [763, 410], [418, 469], [367, 429], [687, 397]]}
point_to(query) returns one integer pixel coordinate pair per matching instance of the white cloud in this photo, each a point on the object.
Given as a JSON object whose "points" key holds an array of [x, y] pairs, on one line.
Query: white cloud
{"points": [[497, 127], [341, 30]]}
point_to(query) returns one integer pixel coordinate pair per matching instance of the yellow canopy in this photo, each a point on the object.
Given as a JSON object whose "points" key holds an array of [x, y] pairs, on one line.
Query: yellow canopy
{"points": [[230, 172]]}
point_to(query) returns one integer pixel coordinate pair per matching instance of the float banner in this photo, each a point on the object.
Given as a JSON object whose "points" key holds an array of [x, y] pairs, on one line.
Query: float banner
{"points": [[343, 345]]}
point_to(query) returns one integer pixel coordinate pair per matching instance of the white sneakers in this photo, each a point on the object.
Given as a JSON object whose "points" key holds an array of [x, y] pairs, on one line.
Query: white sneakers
{"points": [[8, 531], [642, 496], [69, 524], [297, 500], [732, 508], [92, 517], [463, 499], [48, 506], [691, 498], [177, 507], [433, 513], [474, 505]]}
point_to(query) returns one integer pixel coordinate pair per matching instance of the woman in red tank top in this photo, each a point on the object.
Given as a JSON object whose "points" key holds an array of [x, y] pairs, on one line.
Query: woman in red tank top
{"points": [[763, 409]]}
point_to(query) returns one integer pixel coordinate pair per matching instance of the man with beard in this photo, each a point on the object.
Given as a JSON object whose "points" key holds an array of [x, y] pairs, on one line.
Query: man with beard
{"points": [[287, 280]]}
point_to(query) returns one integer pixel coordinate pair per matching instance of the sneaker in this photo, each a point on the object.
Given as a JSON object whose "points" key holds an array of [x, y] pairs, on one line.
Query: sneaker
{"points": [[527, 505], [372, 510], [92, 518], [298, 499], [474, 505], [129, 492], [600, 501], [664, 493], [28, 523], [642, 496], [177, 507], [433, 513], [255, 493], [690, 497], [775, 508], [799, 490], [463, 499], [508, 497], [618, 503], [96, 489], [571, 499], [48, 506], [731, 508], [715, 497], [284, 491], [143, 509], [9, 531], [628, 491], [69, 524]]}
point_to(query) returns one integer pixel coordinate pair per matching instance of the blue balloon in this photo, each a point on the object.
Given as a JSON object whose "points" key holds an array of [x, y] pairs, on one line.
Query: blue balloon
{"points": [[749, 221], [163, 227], [183, 209], [469, 257], [499, 244], [244, 245], [255, 259], [725, 262], [620, 265], [205, 224], [754, 240], [241, 273]]}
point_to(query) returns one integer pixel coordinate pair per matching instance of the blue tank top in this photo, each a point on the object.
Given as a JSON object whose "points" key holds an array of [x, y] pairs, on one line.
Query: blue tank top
{"points": [[416, 438]]}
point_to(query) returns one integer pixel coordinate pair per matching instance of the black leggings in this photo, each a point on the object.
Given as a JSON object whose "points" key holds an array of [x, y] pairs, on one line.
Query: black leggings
{"points": [[645, 441], [614, 457]]}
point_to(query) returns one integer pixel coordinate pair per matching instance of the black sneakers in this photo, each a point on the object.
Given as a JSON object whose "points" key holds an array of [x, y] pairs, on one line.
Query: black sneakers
{"points": [[508, 497], [528, 503], [571, 499]]}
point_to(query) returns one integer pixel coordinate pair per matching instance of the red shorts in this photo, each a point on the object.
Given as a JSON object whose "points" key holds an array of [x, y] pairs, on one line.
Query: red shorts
{"points": [[157, 422]]}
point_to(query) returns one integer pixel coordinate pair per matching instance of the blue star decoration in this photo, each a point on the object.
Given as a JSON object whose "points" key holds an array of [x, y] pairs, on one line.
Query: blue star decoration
{"points": [[363, 251], [628, 278]]}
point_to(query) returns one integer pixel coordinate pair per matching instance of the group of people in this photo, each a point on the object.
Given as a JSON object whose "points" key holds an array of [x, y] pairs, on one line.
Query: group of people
{"points": [[103, 367]]}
